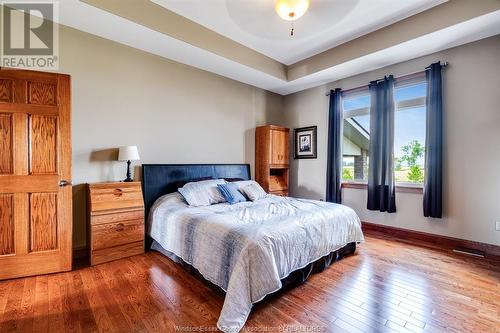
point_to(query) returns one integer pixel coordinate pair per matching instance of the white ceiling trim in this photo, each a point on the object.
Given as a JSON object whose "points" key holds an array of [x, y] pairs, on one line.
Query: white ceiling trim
{"points": [[92, 20], [466, 32], [87, 18], [326, 24]]}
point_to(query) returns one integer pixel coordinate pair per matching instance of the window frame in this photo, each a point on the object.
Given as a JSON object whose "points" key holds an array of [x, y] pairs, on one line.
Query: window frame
{"points": [[413, 103], [352, 94], [406, 81]]}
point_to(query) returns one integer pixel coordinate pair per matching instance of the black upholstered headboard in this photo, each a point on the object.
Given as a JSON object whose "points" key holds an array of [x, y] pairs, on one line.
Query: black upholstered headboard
{"points": [[160, 179]]}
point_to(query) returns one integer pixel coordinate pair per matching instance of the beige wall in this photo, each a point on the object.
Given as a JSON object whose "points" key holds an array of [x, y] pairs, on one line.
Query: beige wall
{"points": [[172, 112], [178, 114], [472, 138]]}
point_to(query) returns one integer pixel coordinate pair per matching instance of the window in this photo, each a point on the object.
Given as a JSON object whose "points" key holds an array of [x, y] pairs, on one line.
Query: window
{"points": [[409, 133], [356, 140]]}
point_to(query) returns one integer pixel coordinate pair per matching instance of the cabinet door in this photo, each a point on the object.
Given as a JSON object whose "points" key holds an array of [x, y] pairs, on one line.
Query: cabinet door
{"points": [[286, 148], [279, 147]]}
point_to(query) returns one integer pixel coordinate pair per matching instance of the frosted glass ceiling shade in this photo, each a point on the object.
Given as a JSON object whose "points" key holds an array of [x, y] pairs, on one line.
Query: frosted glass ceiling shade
{"points": [[128, 153], [291, 9]]}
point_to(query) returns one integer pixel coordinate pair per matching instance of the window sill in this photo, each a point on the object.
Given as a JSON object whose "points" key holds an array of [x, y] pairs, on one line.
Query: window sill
{"points": [[403, 188]]}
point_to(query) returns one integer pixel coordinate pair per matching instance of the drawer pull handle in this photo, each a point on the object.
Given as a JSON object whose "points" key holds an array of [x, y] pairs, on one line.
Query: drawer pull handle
{"points": [[120, 227], [117, 192]]}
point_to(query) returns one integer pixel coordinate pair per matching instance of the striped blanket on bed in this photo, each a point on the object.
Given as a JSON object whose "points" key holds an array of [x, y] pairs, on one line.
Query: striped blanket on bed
{"points": [[247, 248]]}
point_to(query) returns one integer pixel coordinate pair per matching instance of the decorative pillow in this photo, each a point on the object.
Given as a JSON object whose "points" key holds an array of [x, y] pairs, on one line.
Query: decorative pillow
{"points": [[253, 191], [202, 193], [243, 183], [231, 193]]}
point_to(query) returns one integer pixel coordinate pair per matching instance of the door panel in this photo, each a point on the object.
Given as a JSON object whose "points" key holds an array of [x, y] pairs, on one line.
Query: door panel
{"points": [[6, 224], [275, 147], [6, 149], [44, 148], [43, 226], [35, 213], [6, 91], [41, 93]]}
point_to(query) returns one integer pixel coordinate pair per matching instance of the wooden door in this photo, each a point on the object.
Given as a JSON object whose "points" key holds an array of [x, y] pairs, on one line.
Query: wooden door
{"points": [[35, 173], [279, 147]]}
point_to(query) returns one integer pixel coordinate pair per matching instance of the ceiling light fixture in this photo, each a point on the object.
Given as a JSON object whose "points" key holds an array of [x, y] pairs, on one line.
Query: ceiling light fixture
{"points": [[291, 10]]}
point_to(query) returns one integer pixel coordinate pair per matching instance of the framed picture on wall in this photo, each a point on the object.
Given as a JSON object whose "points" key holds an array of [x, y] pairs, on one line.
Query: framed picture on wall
{"points": [[305, 142]]}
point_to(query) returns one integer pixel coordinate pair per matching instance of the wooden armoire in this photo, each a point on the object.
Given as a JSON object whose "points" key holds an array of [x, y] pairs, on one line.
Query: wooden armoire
{"points": [[35, 173], [272, 158]]}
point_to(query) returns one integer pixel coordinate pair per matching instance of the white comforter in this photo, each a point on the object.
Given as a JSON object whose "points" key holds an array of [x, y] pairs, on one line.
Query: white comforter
{"points": [[247, 248]]}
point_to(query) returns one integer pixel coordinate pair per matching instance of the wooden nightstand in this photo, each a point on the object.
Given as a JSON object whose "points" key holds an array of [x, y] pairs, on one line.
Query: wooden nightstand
{"points": [[116, 221]]}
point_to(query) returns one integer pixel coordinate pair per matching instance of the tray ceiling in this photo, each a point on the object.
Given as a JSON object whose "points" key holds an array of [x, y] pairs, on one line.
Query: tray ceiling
{"points": [[326, 24], [247, 41]]}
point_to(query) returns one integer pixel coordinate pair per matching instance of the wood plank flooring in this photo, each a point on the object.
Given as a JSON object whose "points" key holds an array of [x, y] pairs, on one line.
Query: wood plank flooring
{"points": [[387, 286]]}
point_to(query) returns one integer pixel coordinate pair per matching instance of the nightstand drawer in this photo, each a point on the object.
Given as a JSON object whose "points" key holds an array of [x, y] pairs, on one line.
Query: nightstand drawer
{"points": [[117, 252], [104, 217], [114, 196], [119, 233]]}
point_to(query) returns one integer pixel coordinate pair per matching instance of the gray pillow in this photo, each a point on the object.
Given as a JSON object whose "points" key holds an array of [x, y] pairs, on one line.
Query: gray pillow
{"points": [[253, 191], [202, 193]]}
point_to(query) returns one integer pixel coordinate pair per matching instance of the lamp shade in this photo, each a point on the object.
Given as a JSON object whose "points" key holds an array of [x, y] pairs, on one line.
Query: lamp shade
{"points": [[128, 153]]}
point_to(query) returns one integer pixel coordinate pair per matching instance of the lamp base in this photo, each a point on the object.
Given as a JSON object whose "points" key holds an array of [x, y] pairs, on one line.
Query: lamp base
{"points": [[129, 175]]}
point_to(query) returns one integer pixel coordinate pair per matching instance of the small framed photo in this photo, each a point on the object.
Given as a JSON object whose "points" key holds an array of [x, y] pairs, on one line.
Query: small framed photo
{"points": [[305, 142]]}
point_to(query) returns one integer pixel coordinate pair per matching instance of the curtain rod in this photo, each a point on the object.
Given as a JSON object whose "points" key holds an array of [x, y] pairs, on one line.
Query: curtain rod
{"points": [[404, 76]]}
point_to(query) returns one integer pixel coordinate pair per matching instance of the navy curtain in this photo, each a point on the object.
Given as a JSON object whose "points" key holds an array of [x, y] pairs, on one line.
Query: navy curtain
{"points": [[334, 162], [433, 183], [381, 186]]}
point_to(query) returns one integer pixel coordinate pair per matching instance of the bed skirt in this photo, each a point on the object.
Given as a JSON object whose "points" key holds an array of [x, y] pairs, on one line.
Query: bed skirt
{"points": [[292, 280]]}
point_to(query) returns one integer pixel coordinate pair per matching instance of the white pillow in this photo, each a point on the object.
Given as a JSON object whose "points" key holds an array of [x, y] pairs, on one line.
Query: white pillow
{"points": [[253, 191], [242, 183], [202, 193]]}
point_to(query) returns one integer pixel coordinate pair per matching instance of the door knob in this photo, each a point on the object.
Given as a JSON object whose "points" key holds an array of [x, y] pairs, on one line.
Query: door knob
{"points": [[63, 183]]}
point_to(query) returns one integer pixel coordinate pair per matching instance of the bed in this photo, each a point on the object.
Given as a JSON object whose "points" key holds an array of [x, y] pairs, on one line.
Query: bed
{"points": [[249, 249]]}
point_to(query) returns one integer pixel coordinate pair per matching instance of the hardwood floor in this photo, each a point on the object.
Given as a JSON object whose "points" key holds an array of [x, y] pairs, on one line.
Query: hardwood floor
{"points": [[387, 286]]}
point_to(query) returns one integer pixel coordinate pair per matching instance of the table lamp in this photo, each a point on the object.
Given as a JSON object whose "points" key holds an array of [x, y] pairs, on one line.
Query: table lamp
{"points": [[128, 153]]}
